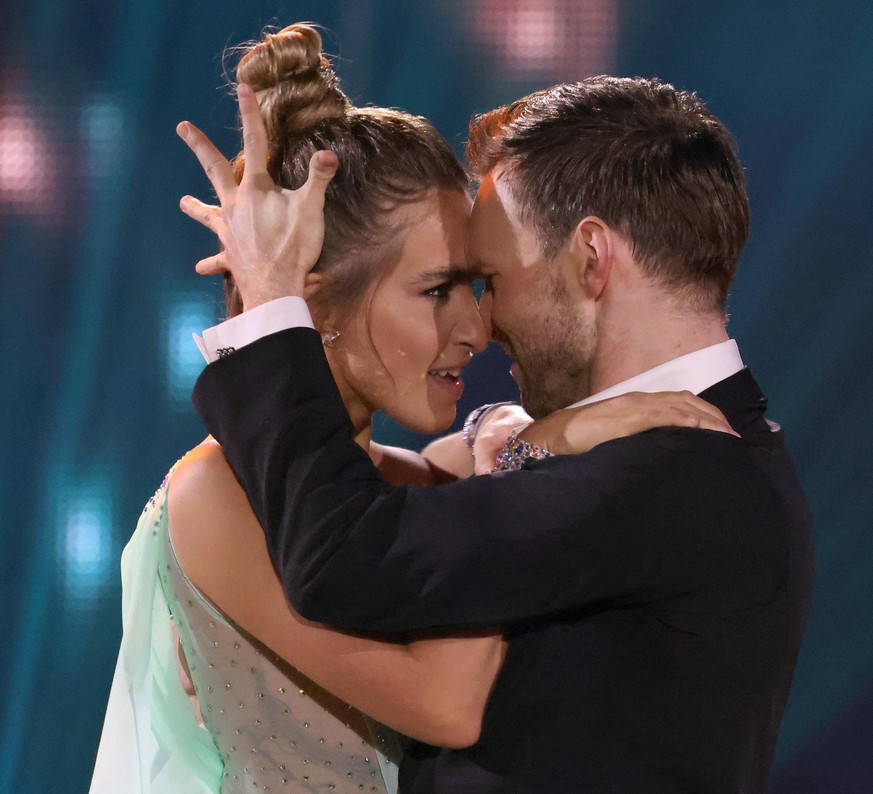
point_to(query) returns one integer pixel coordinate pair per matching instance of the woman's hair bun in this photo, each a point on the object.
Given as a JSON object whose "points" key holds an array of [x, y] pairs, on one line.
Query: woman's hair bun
{"points": [[296, 87]]}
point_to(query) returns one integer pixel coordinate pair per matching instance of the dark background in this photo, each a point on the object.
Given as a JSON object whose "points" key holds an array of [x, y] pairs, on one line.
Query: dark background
{"points": [[98, 295]]}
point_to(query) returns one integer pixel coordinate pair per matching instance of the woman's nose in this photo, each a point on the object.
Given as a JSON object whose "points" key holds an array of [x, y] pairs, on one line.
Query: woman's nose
{"points": [[485, 304], [471, 328]]}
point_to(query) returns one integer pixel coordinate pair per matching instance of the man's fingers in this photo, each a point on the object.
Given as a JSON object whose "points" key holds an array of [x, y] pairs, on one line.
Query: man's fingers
{"points": [[214, 163], [255, 148], [322, 168], [207, 214], [212, 265]]}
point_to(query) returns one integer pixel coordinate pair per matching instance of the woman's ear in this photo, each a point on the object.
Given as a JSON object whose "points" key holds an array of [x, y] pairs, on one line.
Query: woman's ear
{"points": [[592, 246], [312, 284]]}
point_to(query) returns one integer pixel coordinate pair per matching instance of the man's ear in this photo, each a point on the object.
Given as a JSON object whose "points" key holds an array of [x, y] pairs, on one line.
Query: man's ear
{"points": [[312, 284], [593, 247]]}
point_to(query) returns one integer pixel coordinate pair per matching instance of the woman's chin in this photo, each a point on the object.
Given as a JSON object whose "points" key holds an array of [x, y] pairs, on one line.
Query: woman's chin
{"points": [[430, 425]]}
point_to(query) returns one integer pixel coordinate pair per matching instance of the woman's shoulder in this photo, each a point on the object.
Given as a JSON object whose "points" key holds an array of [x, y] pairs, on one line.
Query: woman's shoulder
{"points": [[203, 467], [207, 509], [202, 486]]}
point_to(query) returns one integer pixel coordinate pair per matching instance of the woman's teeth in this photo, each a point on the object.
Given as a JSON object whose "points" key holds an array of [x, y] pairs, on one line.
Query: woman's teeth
{"points": [[448, 374]]}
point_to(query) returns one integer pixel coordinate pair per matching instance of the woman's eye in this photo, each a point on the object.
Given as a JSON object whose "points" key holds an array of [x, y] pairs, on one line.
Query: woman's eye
{"points": [[439, 291]]}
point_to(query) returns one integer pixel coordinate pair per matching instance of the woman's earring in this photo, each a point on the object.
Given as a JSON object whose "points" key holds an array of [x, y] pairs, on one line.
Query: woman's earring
{"points": [[329, 337]]}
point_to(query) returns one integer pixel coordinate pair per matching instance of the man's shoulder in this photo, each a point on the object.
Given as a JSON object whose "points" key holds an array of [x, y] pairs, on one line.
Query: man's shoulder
{"points": [[682, 464], [662, 451]]}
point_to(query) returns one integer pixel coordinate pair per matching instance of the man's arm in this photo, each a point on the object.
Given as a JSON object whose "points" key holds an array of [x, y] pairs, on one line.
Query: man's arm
{"points": [[354, 552]]}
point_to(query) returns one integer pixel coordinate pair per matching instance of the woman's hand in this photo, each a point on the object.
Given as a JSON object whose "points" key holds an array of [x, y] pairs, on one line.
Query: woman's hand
{"points": [[493, 432], [574, 430], [271, 237]]}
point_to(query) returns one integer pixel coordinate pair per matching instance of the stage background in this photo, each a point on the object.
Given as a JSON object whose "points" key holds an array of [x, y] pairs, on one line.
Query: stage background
{"points": [[99, 296]]}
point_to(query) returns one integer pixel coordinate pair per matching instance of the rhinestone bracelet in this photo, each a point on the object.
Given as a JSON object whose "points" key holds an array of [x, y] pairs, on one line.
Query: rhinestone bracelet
{"points": [[516, 451], [474, 420]]}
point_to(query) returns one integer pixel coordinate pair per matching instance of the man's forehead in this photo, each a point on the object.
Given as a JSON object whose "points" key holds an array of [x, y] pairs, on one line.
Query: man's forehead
{"points": [[495, 186], [494, 212], [496, 235]]}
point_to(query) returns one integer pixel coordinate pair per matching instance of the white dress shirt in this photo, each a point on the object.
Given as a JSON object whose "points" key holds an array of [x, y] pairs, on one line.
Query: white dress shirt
{"points": [[268, 318], [694, 372]]}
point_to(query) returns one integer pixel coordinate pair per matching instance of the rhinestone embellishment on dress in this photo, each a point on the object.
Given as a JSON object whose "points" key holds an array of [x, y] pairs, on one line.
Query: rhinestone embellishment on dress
{"points": [[289, 740]]}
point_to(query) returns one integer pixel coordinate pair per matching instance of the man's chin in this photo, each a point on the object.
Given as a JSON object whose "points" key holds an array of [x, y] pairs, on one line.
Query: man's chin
{"points": [[518, 377]]}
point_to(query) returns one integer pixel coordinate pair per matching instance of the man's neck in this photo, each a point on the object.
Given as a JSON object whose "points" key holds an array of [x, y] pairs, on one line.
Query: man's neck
{"points": [[640, 348]]}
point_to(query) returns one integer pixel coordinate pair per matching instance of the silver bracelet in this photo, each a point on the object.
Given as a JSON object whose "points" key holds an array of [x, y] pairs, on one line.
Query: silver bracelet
{"points": [[474, 420], [516, 451]]}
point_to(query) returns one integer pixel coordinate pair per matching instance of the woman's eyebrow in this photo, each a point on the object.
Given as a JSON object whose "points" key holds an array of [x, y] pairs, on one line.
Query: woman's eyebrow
{"points": [[456, 274]]}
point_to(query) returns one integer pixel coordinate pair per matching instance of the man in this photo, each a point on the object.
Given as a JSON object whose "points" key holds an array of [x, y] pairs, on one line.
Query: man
{"points": [[653, 590]]}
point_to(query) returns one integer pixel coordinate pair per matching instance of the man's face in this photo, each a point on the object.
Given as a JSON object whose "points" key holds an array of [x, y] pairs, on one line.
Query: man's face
{"points": [[536, 310]]}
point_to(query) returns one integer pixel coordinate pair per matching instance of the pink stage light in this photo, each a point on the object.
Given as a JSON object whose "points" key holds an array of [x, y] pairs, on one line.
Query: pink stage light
{"points": [[25, 167], [564, 40]]}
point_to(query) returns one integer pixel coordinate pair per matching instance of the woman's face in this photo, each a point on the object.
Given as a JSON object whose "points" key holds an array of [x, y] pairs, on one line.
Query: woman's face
{"points": [[402, 352]]}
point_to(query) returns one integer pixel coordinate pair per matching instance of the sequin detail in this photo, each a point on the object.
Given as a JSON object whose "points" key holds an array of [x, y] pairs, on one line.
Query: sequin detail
{"points": [[284, 738]]}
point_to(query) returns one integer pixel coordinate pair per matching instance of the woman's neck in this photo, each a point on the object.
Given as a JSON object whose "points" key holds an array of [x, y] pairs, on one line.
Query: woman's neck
{"points": [[360, 415]]}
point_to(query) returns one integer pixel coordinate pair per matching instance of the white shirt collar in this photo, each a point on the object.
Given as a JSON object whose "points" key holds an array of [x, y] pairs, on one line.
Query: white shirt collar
{"points": [[694, 372]]}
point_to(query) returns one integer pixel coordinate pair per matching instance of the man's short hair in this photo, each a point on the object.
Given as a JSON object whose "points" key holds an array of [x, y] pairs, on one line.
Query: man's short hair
{"points": [[653, 162]]}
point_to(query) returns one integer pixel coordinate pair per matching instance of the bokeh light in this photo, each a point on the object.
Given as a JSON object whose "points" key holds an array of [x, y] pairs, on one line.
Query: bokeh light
{"points": [[102, 125], [25, 160], [555, 39], [184, 314], [85, 548]]}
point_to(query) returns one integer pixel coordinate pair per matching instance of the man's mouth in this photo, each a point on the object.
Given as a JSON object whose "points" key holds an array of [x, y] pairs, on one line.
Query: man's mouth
{"points": [[502, 340]]}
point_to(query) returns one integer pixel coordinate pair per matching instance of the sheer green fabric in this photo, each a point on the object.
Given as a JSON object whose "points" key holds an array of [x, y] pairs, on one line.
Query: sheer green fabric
{"points": [[151, 740]]}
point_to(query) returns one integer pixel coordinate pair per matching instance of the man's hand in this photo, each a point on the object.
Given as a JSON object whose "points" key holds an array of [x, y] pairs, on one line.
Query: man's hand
{"points": [[272, 237]]}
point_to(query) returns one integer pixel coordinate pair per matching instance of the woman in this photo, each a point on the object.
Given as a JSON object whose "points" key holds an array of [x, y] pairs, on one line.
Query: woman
{"points": [[391, 295]]}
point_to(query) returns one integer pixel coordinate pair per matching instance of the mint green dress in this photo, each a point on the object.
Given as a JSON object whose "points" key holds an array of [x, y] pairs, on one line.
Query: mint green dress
{"points": [[265, 727]]}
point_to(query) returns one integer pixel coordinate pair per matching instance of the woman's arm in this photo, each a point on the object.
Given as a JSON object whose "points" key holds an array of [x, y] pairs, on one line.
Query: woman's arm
{"points": [[400, 466], [567, 431], [434, 690]]}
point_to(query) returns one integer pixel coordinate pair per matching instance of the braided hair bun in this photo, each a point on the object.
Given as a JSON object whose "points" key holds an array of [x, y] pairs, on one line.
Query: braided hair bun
{"points": [[296, 87]]}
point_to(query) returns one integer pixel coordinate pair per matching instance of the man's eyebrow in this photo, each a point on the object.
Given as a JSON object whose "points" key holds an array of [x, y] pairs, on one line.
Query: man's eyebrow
{"points": [[455, 274]]}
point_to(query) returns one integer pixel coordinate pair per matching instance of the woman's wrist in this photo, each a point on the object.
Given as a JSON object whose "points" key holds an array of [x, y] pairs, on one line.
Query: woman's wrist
{"points": [[547, 433], [475, 419], [516, 451]]}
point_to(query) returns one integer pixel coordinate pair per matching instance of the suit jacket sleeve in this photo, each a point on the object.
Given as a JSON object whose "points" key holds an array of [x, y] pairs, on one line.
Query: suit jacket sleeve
{"points": [[354, 552]]}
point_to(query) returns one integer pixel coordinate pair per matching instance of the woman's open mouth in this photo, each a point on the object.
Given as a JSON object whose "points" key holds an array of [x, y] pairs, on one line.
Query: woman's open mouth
{"points": [[448, 379]]}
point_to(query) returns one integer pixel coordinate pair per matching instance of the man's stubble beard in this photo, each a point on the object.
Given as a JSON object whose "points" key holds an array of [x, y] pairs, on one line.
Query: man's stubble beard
{"points": [[554, 358]]}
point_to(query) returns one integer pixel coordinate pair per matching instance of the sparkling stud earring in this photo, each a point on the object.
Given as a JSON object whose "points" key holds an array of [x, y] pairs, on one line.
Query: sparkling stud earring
{"points": [[329, 337]]}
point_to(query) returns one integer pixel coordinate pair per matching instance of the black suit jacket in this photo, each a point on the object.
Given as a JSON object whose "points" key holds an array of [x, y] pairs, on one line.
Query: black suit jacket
{"points": [[654, 590]]}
